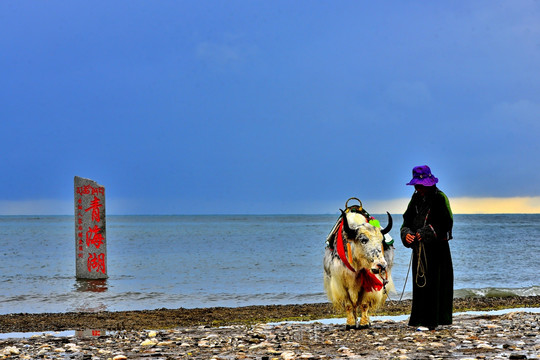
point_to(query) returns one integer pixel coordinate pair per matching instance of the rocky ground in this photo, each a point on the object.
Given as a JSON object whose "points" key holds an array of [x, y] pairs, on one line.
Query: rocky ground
{"points": [[244, 333]]}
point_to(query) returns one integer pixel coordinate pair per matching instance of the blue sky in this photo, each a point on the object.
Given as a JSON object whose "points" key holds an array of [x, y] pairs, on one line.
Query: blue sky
{"points": [[196, 107]]}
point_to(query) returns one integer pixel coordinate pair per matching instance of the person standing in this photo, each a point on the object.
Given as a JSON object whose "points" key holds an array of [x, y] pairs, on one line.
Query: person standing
{"points": [[427, 227]]}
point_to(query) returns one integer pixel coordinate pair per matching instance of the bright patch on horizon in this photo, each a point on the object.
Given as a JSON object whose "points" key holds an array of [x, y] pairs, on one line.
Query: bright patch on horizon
{"points": [[470, 205], [492, 205]]}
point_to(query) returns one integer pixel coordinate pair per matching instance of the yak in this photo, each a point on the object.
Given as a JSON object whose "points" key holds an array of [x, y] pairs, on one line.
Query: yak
{"points": [[357, 267]]}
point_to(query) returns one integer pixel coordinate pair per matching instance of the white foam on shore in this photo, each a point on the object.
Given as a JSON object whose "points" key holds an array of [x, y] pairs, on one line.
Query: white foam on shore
{"points": [[500, 312]]}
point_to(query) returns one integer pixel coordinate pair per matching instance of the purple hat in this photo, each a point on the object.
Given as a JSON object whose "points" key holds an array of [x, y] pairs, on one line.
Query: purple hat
{"points": [[422, 176]]}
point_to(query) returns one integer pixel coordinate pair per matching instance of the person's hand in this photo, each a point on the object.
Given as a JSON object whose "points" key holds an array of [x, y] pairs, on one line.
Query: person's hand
{"points": [[418, 237], [409, 238]]}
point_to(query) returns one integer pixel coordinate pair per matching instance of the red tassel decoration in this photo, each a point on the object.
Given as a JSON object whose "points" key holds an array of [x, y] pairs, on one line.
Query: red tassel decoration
{"points": [[369, 281]]}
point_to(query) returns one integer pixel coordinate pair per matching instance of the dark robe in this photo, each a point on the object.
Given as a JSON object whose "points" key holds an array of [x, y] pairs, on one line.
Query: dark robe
{"points": [[431, 217]]}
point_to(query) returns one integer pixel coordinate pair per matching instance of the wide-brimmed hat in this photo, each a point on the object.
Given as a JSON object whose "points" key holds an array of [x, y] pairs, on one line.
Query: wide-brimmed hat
{"points": [[422, 176]]}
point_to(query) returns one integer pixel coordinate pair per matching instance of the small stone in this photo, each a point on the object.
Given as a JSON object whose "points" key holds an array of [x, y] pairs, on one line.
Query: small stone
{"points": [[517, 356], [260, 345], [152, 334], [148, 342], [120, 357], [204, 343], [42, 352], [288, 355], [11, 350], [165, 343]]}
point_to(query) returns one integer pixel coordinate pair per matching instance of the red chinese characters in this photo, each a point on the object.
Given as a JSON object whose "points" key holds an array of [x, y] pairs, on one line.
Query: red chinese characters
{"points": [[97, 262], [90, 212], [94, 237], [94, 206]]}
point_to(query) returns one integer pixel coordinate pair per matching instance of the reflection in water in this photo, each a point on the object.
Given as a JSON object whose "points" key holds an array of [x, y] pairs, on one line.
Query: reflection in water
{"points": [[89, 333], [93, 285], [89, 299]]}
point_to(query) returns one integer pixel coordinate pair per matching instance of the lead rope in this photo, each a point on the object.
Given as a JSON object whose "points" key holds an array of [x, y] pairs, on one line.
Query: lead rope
{"points": [[421, 268], [406, 278]]}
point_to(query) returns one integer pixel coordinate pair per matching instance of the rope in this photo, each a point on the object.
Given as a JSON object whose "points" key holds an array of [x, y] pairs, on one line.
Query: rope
{"points": [[421, 266], [406, 277]]}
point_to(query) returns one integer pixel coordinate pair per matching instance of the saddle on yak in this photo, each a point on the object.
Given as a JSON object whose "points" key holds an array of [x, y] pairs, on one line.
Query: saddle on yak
{"points": [[331, 238]]}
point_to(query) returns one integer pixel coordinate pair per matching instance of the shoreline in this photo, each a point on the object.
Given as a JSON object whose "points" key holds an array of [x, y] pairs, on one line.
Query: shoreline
{"points": [[225, 316], [243, 334]]}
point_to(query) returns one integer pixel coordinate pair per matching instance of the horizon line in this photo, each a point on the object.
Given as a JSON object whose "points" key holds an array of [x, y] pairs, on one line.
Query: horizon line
{"points": [[459, 205], [264, 214]]}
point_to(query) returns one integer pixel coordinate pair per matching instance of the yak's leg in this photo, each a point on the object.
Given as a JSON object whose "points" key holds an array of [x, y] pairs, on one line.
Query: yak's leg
{"points": [[364, 319], [351, 315]]}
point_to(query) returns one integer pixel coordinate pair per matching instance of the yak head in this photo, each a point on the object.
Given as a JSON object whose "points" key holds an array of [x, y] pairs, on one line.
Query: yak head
{"points": [[366, 242]]}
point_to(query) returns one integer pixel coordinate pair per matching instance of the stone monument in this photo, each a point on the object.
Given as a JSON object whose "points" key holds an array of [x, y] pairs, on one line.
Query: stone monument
{"points": [[90, 226]]}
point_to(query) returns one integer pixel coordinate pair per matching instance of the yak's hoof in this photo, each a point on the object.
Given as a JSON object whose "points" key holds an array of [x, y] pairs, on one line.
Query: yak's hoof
{"points": [[363, 326], [350, 327]]}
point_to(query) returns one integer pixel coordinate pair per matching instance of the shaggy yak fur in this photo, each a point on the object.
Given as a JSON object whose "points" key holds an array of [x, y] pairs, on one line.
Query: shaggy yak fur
{"points": [[346, 289]]}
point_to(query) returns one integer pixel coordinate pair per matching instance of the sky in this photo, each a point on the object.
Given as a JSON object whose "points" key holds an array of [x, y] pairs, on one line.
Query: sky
{"points": [[268, 107]]}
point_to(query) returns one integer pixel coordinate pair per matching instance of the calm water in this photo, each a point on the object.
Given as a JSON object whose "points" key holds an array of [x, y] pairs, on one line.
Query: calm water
{"points": [[202, 261]]}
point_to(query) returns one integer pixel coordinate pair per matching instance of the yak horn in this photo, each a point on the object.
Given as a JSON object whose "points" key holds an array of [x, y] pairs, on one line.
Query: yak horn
{"points": [[351, 234], [388, 227]]}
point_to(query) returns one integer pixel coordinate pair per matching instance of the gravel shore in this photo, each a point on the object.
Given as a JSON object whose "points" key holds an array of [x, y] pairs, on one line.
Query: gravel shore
{"points": [[244, 333]]}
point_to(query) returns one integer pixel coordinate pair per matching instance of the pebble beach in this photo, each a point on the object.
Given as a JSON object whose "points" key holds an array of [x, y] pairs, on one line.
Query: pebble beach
{"points": [[515, 334]]}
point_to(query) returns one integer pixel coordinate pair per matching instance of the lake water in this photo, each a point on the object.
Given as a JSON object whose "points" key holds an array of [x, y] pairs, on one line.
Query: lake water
{"points": [[204, 261]]}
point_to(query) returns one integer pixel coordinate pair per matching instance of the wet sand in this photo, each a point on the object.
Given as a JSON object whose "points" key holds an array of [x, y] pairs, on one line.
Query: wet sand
{"points": [[244, 333], [221, 316]]}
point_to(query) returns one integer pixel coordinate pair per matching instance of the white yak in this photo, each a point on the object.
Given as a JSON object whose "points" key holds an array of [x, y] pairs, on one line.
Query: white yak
{"points": [[357, 269]]}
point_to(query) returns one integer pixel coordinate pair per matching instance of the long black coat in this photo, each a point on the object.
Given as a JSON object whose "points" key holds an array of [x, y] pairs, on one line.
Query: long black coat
{"points": [[431, 217]]}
